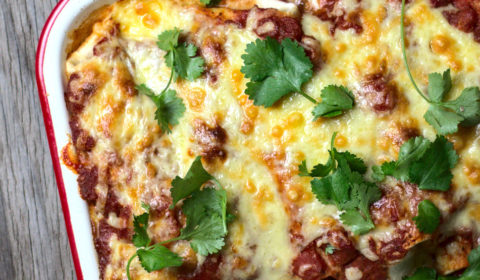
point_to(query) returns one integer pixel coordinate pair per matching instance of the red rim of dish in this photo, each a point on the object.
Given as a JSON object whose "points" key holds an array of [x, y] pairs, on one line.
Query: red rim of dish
{"points": [[47, 118]]}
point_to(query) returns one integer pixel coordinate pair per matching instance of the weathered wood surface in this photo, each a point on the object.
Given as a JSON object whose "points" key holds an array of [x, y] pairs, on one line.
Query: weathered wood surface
{"points": [[33, 240]]}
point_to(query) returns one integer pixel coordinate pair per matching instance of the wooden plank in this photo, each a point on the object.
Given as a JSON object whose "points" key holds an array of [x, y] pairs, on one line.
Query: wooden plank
{"points": [[33, 239]]}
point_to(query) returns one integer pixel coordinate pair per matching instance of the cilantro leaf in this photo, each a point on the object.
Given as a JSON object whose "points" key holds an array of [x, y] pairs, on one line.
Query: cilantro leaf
{"points": [[428, 217], [346, 188], [423, 273], [467, 105], [140, 224], [275, 70], [410, 151], [185, 62], [206, 226], [444, 122], [168, 40], [210, 3], [170, 108], [358, 224], [335, 101], [205, 209], [158, 257], [319, 170], [329, 249], [422, 162], [196, 176], [439, 85], [432, 170], [355, 163]]}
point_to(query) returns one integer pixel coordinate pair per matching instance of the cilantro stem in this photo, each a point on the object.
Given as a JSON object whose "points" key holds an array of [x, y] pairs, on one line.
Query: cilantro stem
{"points": [[332, 147], [128, 266], [224, 212], [173, 71], [402, 31], [170, 240], [307, 97]]}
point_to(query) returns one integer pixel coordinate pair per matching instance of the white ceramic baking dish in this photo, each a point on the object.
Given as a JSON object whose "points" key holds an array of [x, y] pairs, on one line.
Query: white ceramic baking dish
{"points": [[51, 84]]}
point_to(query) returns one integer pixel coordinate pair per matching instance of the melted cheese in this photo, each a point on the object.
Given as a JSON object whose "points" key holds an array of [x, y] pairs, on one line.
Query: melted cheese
{"points": [[125, 125]]}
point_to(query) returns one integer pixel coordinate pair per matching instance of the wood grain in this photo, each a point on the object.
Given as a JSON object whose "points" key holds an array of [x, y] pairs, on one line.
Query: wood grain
{"points": [[33, 239]]}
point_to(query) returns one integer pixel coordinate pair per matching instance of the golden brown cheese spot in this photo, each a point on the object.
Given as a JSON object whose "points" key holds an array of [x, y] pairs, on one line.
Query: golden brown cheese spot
{"points": [[444, 45], [250, 111], [452, 254], [472, 171], [195, 98], [341, 141], [211, 140], [441, 44], [371, 23]]}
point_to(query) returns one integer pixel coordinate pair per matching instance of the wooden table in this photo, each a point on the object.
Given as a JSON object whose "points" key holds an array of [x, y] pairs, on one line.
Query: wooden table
{"points": [[33, 240]]}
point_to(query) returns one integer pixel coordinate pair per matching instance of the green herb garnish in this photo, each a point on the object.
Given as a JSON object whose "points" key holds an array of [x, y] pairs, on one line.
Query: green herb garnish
{"points": [[428, 217], [278, 69], [444, 116], [422, 162], [206, 215], [341, 183], [182, 59]]}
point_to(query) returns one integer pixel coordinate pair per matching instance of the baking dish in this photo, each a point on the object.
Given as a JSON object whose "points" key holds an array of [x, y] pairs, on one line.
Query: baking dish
{"points": [[50, 81]]}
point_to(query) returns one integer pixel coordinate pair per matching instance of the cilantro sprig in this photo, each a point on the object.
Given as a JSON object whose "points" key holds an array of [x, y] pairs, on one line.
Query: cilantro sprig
{"points": [[444, 116], [184, 63], [278, 69], [181, 57], [428, 217], [152, 256], [471, 273], [422, 162], [340, 182], [205, 210]]}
